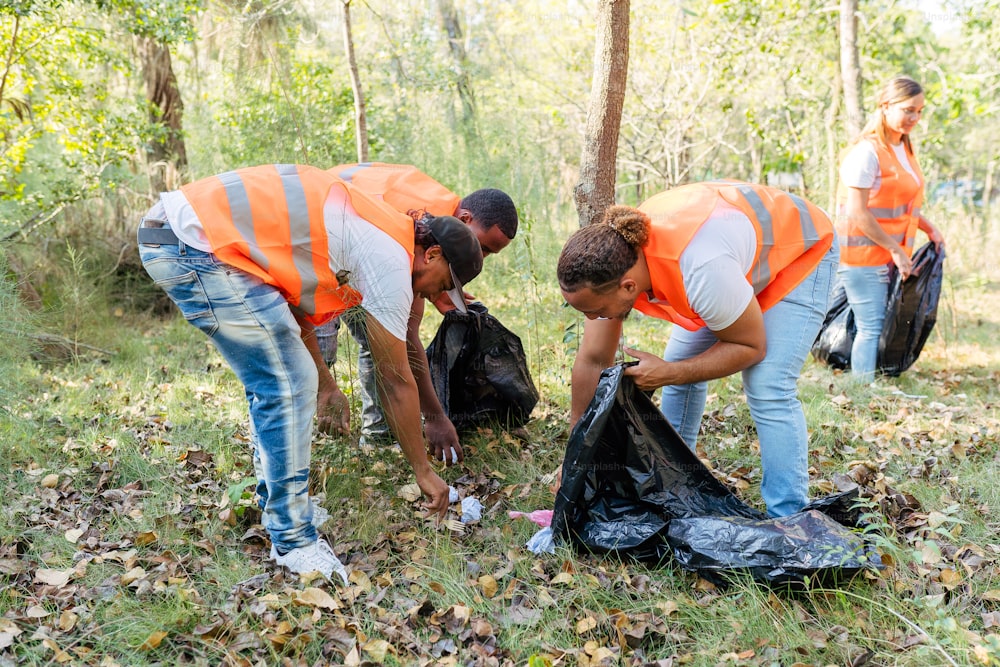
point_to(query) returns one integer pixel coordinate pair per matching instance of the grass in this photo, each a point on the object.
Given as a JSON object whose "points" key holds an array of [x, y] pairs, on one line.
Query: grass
{"points": [[149, 449]]}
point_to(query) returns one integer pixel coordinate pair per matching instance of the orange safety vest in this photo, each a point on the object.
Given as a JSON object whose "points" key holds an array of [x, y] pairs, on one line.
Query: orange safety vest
{"points": [[896, 206], [268, 221], [793, 235], [402, 186]]}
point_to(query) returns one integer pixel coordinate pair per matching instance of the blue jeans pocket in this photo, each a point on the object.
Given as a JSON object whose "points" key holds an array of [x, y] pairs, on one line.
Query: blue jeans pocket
{"points": [[186, 290]]}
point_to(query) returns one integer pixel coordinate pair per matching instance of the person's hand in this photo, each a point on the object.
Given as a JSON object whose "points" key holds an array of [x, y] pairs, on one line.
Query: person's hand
{"points": [[557, 482], [648, 373], [902, 262], [442, 440], [436, 491], [333, 412], [935, 237]]}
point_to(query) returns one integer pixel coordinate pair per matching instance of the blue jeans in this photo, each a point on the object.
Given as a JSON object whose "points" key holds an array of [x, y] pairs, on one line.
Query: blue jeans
{"points": [[791, 326], [373, 423], [252, 327], [867, 289]]}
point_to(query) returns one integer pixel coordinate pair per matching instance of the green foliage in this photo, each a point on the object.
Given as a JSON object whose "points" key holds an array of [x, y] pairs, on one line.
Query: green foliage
{"points": [[77, 124], [166, 21], [297, 117], [16, 326]]}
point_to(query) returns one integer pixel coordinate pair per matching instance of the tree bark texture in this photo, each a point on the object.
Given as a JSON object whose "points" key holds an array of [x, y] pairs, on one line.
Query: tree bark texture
{"points": [[167, 154], [830, 123], [850, 67], [596, 189], [360, 119], [463, 84]]}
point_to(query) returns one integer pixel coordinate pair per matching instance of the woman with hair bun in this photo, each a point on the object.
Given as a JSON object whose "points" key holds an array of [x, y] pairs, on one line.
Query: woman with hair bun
{"points": [[744, 272], [878, 205]]}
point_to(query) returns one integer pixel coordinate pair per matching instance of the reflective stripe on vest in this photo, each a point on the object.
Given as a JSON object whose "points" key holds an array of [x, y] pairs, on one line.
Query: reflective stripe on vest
{"points": [[896, 207], [402, 186], [793, 235], [268, 221]]}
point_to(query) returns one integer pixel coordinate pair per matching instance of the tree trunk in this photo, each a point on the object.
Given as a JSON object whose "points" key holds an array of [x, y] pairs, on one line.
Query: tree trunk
{"points": [[167, 154], [596, 189], [360, 120], [832, 161], [850, 67], [449, 17], [988, 189]]}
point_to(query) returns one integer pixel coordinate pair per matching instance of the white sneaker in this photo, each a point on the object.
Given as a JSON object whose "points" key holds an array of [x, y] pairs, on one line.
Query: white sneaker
{"points": [[317, 557], [320, 515]]}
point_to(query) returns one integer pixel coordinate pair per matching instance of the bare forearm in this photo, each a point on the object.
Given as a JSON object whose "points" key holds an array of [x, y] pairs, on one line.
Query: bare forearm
{"points": [[585, 377], [326, 380], [721, 360], [871, 228]]}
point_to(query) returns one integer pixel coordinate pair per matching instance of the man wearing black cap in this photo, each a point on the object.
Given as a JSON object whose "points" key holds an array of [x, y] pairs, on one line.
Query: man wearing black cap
{"points": [[257, 257]]}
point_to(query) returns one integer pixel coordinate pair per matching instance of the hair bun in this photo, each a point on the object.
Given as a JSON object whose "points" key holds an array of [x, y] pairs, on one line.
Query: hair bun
{"points": [[630, 223]]}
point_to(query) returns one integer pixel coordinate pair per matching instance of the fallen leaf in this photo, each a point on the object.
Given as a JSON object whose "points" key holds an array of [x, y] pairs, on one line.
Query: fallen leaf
{"points": [[60, 656], [146, 538], [53, 577], [562, 578], [409, 492], [67, 620], [73, 535], [488, 585], [153, 640], [482, 628], [378, 649], [667, 607], [50, 481], [950, 578], [524, 616], [315, 597], [36, 611], [133, 575], [585, 625]]}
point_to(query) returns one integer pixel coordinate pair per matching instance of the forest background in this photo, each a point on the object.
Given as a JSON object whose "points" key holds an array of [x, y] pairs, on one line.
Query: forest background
{"points": [[105, 103]]}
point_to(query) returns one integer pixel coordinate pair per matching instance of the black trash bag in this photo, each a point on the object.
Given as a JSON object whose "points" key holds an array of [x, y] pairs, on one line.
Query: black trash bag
{"points": [[774, 551], [912, 311], [631, 487], [479, 371], [833, 343]]}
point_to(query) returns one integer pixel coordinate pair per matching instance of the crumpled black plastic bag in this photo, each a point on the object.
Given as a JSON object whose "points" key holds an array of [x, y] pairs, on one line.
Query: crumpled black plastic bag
{"points": [[833, 343], [910, 317], [631, 487], [912, 311], [479, 371]]}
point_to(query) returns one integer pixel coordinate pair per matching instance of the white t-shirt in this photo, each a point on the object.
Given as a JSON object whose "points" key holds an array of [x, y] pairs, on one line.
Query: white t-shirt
{"points": [[377, 266], [714, 266], [860, 166]]}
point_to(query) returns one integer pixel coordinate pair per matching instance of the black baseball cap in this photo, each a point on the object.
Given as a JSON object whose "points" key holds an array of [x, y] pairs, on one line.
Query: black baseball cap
{"points": [[461, 250]]}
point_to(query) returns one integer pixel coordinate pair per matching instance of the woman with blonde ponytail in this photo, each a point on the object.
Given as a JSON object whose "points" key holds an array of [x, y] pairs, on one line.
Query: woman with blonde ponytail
{"points": [[878, 214], [744, 273]]}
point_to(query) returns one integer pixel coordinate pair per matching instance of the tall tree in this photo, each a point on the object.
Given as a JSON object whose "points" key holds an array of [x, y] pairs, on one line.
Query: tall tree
{"points": [[596, 188], [167, 153], [850, 67], [360, 121], [463, 82]]}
